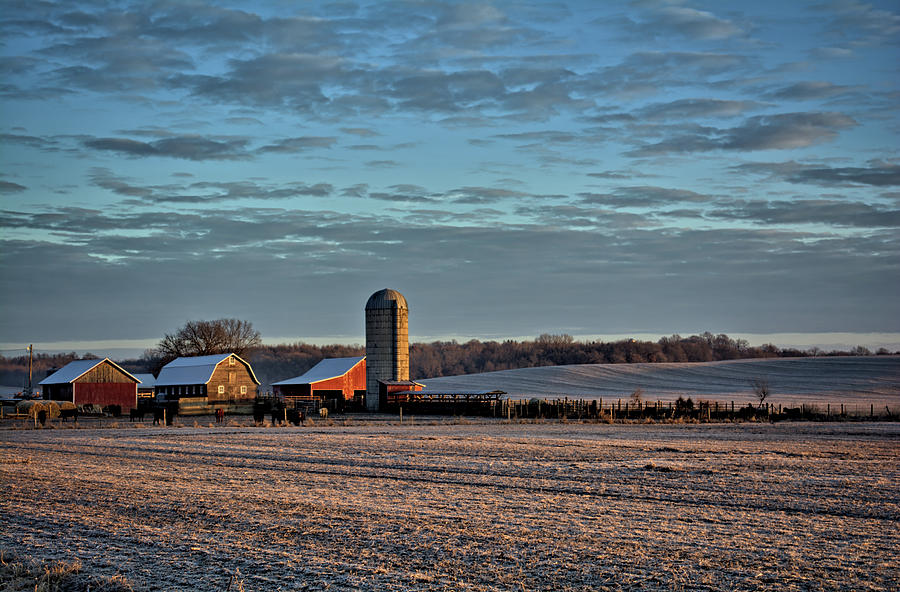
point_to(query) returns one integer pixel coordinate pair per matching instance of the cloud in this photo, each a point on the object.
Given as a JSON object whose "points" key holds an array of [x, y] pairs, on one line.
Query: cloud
{"points": [[362, 132], [541, 138], [446, 92], [10, 187], [484, 195], [808, 211], [609, 263], [46, 144], [184, 147], [697, 108], [206, 191], [468, 195], [809, 90], [382, 164], [861, 23], [879, 174], [292, 81], [643, 197], [688, 22], [299, 144], [784, 131]]}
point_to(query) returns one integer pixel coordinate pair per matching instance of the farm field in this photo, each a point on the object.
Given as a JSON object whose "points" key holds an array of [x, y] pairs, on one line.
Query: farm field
{"points": [[863, 380], [478, 506]]}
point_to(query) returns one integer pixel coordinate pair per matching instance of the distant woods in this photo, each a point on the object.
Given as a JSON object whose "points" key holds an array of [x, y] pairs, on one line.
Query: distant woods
{"points": [[440, 358], [429, 360]]}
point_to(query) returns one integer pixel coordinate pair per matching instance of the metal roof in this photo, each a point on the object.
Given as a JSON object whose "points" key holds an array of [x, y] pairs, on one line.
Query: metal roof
{"points": [[78, 368], [401, 383], [195, 369], [324, 370], [386, 298], [147, 380]]}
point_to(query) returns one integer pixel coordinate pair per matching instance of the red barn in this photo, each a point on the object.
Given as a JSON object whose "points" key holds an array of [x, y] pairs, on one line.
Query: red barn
{"points": [[342, 379], [96, 382], [392, 392]]}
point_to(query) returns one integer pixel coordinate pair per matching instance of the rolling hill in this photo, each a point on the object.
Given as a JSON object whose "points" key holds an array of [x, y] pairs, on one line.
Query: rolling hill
{"points": [[850, 380]]}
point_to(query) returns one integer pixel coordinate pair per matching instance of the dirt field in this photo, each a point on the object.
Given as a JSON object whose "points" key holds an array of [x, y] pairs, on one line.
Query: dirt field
{"points": [[485, 506]]}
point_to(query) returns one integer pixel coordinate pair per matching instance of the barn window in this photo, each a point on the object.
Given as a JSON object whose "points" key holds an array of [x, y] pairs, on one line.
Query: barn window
{"points": [[221, 389], [243, 390], [231, 361]]}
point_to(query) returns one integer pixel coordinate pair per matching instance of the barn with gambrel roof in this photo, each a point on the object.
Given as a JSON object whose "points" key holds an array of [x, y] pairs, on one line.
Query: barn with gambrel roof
{"points": [[219, 379]]}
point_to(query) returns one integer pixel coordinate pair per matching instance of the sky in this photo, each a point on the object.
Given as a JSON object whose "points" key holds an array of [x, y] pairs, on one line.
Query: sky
{"points": [[513, 168]]}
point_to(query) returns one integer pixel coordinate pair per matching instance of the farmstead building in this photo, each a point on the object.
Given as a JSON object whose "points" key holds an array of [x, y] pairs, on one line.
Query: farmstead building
{"points": [[92, 382], [218, 380], [333, 379], [146, 391]]}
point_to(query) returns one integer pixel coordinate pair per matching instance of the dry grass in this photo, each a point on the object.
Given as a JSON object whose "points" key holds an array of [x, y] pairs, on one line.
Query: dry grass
{"points": [[486, 506], [31, 575]]}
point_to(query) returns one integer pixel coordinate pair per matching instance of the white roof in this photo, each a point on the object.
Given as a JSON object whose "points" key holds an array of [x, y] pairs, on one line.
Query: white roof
{"points": [[78, 368], [324, 370], [195, 369], [147, 380]]}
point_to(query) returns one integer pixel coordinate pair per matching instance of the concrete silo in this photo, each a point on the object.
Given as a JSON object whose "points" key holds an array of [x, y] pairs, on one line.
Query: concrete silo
{"points": [[387, 342]]}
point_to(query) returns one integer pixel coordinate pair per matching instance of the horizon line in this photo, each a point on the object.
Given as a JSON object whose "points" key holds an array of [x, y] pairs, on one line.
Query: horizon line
{"points": [[784, 340]]}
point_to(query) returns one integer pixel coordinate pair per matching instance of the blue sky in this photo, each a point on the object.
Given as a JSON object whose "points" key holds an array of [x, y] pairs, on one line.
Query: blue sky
{"points": [[514, 168]]}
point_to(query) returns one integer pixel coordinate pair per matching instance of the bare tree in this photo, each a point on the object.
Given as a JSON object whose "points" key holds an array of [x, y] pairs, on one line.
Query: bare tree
{"points": [[203, 338], [760, 389], [637, 396]]}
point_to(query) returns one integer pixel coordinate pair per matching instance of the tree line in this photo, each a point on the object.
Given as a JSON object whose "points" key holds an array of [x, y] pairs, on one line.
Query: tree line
{"points": [[272, 363]]}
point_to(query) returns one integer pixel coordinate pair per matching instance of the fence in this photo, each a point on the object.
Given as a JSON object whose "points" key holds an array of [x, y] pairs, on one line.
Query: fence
{"points": [[629, 410]]}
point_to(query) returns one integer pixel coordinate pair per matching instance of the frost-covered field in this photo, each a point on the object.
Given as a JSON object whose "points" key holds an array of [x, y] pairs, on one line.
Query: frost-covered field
{"points": [[860, 380], [485, 506]]}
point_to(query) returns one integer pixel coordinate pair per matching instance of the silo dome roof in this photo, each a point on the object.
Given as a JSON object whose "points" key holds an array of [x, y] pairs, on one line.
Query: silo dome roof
{"points": [[386, 298]]}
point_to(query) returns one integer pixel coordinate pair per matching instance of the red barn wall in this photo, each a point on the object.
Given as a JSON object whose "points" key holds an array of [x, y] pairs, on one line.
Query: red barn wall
{"points": [[109, 393], [352, 381]]}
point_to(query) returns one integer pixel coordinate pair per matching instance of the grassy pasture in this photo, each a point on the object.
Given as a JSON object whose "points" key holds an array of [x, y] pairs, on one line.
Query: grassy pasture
{"points": [[482, 506]]}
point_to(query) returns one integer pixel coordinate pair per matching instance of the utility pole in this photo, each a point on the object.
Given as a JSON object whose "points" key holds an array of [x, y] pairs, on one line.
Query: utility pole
{"points": [[28, 388]]}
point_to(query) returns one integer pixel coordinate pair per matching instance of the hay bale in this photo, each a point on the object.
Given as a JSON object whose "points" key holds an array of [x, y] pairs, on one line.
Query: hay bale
{"points": [[31, 408], [52, 409]]}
